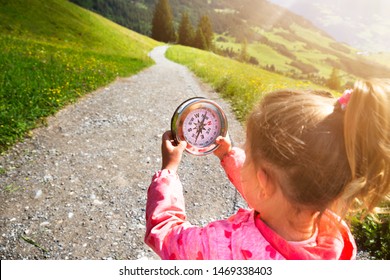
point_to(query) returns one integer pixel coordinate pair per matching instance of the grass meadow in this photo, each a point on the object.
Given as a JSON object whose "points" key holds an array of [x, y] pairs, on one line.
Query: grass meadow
{"points": [[240, 83], [53, 52]]}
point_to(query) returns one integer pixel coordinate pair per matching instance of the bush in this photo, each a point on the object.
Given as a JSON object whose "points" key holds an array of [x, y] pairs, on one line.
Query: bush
{"points": [[372, 235]]}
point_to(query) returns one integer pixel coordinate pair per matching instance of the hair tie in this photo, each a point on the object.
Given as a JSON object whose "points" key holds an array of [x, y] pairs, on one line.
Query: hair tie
{"points": [[344, 99]]}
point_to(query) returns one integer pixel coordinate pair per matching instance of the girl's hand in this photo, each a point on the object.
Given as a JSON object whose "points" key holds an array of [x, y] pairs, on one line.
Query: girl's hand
{"points": [[171, 154], [225, 146]]}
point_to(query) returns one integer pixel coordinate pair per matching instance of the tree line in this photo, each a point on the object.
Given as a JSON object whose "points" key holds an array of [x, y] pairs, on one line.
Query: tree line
{"points": [[163, 28], [134, 15], [160, 24]]}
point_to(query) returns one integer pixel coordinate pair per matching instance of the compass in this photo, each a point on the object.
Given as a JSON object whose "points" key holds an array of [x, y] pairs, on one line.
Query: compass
{"points": [[199, 121]]}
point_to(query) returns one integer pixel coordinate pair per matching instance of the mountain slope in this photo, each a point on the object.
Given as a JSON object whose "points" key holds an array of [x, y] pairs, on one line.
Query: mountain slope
{"points": [[278, 39], [360, 23], [53, 52], [65, 23]]}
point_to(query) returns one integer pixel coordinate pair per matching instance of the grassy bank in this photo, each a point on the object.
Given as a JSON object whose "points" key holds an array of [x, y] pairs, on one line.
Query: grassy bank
{"points": [[241, 84], [53, 52]]}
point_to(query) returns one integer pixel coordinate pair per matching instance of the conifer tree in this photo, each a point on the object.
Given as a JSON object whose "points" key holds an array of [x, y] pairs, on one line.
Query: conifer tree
{"points": [[207, 31], [334, 80], [162, 23], [186, 31], [244, 51], [200, 40]]}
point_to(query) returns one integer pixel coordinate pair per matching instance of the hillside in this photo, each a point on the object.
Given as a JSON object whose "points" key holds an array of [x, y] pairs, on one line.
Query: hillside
{"points": [[359, 23], [63, 23], [53, 52], [277, 38]]}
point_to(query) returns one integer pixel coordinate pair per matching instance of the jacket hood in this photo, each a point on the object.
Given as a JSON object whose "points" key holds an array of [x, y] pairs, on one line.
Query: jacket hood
{"points": [[334, 241]]}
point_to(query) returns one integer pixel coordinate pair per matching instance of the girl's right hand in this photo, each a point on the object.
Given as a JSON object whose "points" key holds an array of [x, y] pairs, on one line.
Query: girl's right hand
{"points": [[225, 146], [171, 153]]}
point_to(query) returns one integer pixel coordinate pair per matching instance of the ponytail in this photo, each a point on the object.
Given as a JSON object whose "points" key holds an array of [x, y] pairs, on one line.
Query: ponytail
{"points": [[367, 143], [325, 155]]}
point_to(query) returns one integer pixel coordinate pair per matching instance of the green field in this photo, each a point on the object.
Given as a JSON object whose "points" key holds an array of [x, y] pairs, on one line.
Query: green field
{"points": [[53, 52], [304, 50], [240, 83]]}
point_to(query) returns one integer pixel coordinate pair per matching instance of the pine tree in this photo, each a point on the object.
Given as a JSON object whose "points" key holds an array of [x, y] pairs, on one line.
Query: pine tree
{"points": [[186, 31], [244, 51], [207, 31], [200, 40], [162, 23], [334, 80]]}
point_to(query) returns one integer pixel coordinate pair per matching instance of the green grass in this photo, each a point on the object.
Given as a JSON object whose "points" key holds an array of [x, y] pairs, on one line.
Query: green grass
{"points": [[53, 52], [241, 84], [267, 56], [306, 53]]}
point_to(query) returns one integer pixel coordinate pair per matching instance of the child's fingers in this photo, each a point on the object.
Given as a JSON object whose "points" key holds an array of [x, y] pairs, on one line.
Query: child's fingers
{"points": [[225, 146], [171, 144], [171, 153], [223, 140], [218, 140], [167, 135], [182, 145], [168, 139]]}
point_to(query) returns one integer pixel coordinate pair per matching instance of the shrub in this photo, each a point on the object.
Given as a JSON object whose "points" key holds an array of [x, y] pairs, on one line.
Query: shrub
{"points": [[373, 235]]}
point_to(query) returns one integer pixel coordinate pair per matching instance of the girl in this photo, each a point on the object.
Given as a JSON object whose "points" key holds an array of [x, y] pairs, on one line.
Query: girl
{"points": [[307, 156]]}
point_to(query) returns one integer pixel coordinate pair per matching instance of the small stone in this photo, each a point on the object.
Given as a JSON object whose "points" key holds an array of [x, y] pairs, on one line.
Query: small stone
{"points": [[140, 226], [47, 178], [38, 194], [44, 224], [97, 202]]}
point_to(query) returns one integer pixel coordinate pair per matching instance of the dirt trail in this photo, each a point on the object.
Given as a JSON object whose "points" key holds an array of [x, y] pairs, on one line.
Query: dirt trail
{"points": [[77, 188]]}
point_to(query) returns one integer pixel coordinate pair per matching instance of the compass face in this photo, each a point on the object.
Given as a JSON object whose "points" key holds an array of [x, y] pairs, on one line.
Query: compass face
{"points": [[199, 122], [201, 127]]}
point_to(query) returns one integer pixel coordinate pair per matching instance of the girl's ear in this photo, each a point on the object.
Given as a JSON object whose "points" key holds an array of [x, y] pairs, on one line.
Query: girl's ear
{"points": [[265, 183]]}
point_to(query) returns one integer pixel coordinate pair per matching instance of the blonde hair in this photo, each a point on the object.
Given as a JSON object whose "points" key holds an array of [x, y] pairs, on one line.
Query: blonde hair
{"points": [[367, 141], [319, 153]]}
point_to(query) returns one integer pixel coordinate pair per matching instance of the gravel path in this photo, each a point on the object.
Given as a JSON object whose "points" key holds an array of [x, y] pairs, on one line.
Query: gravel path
{"points": [[77, 188]]}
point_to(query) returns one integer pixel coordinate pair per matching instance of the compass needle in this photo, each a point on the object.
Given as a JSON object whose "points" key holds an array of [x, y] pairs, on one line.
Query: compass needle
{"points": [[199, 122]]}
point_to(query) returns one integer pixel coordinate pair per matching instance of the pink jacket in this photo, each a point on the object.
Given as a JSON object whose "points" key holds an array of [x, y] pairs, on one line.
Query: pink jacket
{"points": [[241, 236]]}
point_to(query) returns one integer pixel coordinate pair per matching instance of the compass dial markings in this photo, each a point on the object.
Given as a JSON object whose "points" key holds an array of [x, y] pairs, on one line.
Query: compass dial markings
{"points": [[201, 127]]}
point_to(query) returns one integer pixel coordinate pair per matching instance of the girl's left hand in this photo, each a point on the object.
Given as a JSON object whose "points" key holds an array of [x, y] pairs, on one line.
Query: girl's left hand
{"points": [[225, 146], [171, 154]]}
